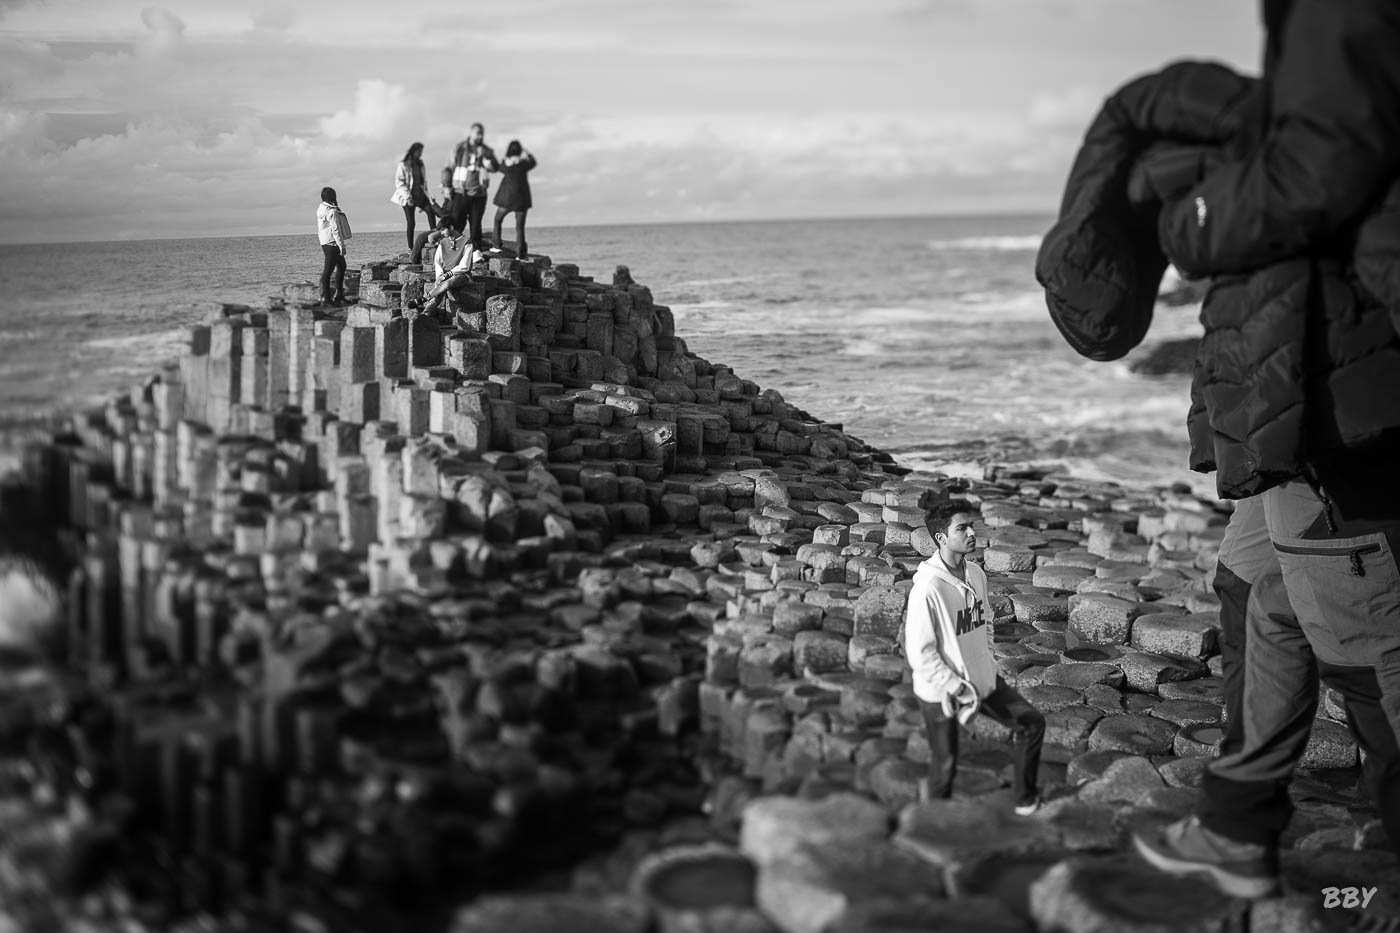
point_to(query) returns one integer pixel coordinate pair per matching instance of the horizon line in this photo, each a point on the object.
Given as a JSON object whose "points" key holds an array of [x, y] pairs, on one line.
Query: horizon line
{"points": [[649, 223]]}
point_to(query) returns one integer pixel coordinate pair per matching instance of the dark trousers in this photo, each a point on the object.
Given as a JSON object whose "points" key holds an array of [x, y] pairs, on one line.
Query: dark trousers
{"points": [[335, 263], [420, 202], [1329, 610], [1005, 706], [420, 241], [467, 212], [501, 213]]}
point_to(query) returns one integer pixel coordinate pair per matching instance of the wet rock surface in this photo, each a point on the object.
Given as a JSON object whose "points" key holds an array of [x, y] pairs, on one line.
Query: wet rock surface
{"points": [[521, 615]]}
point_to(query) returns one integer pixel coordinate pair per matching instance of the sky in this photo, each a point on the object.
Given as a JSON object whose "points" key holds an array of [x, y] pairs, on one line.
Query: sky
{"points": [[133, 120]]}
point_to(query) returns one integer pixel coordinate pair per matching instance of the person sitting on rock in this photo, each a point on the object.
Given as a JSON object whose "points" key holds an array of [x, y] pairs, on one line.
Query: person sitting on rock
{"points": [[452, 263], [514, 194], [948, 642], [430, 238]]}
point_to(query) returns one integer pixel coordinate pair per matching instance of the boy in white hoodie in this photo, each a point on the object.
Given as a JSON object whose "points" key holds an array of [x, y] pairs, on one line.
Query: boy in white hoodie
{"points": [[948, 641]]}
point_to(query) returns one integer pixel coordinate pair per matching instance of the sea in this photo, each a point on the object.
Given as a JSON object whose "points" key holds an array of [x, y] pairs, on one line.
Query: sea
{"points": [[927, 337]]}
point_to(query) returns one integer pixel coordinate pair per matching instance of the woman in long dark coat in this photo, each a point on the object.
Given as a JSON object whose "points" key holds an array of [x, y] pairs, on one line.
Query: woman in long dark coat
{"points": [[513, 196]]}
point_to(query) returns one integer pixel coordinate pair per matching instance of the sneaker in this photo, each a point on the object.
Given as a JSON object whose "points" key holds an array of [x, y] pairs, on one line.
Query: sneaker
{"points": [[1026, 809], [1239, 869]]}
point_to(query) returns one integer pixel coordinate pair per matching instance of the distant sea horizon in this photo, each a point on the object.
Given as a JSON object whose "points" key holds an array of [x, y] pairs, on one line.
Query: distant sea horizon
{"points": [[926, 336], [388, 228]]}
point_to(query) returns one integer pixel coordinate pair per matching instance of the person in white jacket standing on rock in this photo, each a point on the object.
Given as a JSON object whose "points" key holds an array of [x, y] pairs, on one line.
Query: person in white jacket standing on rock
{"points": [[948, 641]]}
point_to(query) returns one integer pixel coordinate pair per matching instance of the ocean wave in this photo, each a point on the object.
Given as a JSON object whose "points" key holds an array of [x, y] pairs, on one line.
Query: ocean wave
{"points": [[126, 342], [993, 243], [700, 283], [864, 347]]}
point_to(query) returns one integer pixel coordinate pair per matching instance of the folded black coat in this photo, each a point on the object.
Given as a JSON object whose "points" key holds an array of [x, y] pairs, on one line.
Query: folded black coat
{"points": [[1276, 189]]}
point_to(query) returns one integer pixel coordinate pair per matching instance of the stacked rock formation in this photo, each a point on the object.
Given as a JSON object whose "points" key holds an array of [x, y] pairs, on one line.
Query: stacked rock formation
{"points": [[375, 602], [376, 609]]}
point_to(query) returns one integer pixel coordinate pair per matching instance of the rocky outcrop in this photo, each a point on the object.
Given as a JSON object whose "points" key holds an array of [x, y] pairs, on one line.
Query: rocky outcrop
{"points": [[374, 611]]}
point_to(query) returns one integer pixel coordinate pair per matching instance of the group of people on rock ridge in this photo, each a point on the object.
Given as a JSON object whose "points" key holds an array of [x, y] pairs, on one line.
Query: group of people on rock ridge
{"points": [[465, 185]]}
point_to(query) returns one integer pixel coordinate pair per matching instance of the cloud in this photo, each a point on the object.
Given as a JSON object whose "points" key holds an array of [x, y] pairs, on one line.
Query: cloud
{"points": [[167, 29], [274, 18], [380, 110]]}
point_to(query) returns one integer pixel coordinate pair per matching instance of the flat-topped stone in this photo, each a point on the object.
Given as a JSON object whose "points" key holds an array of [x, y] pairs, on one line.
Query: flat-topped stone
{"points": [[949, 833], [1111, 894]]}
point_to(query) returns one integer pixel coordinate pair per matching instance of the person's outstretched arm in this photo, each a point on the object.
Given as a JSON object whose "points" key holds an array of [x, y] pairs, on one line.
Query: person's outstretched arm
{"points": [[1332, 145]]}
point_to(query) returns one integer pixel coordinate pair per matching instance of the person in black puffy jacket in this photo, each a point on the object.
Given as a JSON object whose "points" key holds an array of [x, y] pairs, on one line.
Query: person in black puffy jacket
{"points": [[1286, 194]]}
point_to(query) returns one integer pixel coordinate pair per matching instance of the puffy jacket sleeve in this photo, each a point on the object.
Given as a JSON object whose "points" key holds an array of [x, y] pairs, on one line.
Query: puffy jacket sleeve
{"points": [[1332, 145], [921, 643]]}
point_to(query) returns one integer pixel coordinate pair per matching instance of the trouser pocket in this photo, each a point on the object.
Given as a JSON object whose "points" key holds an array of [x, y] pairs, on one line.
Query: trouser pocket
{"points": [[1346, 594]]}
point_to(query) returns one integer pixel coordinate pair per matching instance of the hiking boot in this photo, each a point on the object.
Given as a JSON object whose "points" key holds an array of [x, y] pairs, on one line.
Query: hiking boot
{"points": [[1029, 807], [1239, 869]]}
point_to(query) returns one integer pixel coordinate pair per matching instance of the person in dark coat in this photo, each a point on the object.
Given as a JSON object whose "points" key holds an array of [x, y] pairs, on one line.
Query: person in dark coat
{"points": [[513, 196], [1286, 194]]}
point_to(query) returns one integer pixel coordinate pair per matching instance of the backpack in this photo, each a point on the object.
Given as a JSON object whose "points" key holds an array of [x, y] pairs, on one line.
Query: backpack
{"points": [[342, 224]]}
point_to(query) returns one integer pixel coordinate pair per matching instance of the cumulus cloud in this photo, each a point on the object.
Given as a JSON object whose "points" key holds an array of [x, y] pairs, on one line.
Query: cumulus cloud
{"points": [[379, 110]]}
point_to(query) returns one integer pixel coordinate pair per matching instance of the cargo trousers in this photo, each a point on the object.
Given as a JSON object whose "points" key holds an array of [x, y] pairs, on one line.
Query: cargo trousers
{"points": [[1326, 607]]}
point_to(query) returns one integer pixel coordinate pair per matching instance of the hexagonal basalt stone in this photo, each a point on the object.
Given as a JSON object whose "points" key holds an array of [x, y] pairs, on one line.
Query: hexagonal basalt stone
{"points": [[1130, 779], [1138, 735], [791, 617], [1107, 894], [1027, 669], [952, 833], [1070, 727], [1096, 619], [1060, 577], [1082, 826], [819, 652], [1191, 636], [1090, 766], [1207, 689], [1049, 697], [776, 827], [1330, 745], [889, 667], [1198, 740], [765, 660], [1045, 642], [865, 698], [1081, 676], [1187, 712], [1145, 672], [814, 889], [1183, 772], [1035, 607], [895, 781], [1008, 559], [880, 611]]}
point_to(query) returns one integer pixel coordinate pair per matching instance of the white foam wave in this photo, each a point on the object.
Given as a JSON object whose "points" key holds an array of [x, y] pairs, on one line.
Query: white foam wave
{"points": [[993, 243], [131, 342], [699, 283], [864, 347]]}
